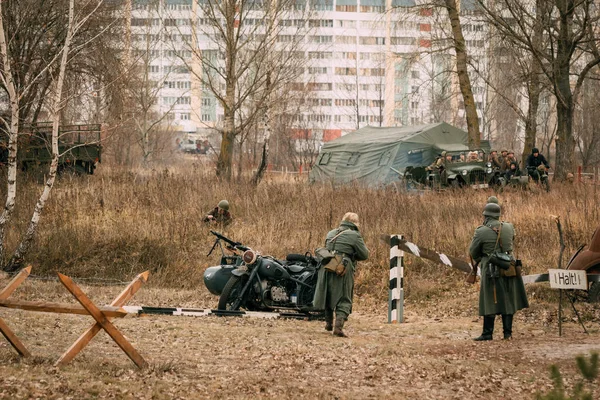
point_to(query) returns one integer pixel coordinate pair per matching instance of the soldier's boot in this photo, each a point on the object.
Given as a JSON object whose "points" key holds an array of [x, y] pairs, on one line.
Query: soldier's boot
{"points": [[339, 325], [507, 320], [329, 320], [488, 328]]}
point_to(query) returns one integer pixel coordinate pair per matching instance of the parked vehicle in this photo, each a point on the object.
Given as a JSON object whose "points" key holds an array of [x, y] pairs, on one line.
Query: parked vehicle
{"points": [[258, 282], [457, 169], [79, 147]]}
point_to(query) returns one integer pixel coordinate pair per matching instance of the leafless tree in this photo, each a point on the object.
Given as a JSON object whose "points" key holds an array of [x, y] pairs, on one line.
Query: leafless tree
{"points": [[565, 48], [248, 57], [73, 27]]}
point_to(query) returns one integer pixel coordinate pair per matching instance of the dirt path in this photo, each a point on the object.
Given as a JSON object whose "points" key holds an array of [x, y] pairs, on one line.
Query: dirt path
{"points": [[211, 357]]}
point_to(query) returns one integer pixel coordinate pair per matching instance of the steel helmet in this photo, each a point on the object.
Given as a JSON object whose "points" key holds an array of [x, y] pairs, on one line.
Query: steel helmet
{"points": [[224, 205], [492, 210], [493, 199], [444, 153]]}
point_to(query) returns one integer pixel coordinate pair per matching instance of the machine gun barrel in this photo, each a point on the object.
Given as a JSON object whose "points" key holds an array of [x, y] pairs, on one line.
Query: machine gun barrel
{"points": [[235, 245]]}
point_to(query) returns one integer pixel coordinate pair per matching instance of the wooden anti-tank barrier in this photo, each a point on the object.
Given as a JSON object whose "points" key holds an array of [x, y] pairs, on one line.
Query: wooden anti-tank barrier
{"points": [[101, 315]]}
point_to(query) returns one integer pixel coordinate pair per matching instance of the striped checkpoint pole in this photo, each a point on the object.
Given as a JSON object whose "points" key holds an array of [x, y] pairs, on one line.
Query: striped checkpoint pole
{"points": [[396, 292]]}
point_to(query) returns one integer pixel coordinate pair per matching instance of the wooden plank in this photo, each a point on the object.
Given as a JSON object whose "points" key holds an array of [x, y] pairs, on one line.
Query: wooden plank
{"points": [[43, 306], [15, 282], [13, 340], [102, 319], [92, 331]]}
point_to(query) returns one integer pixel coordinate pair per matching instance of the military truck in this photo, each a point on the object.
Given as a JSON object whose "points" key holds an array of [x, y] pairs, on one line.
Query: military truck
{"points": [[79, 147], [456, 169]]}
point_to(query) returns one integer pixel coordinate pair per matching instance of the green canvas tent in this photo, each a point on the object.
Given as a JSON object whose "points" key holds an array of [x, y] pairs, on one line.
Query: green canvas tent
{"points": [[367, 156]]}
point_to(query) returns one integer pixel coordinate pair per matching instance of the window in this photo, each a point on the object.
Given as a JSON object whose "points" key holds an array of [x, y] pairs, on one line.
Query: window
{"points": [[385, 158], [415, 157], [415, 74], [320, 23], [345, 40], [343, 8], [321, 39], [184, 116], [370, 40], [324, 158], [153, 68], [206, 117], [206, 102], [402, 41], [317, 70], [184, 100], [346, 24], [320, 55], [345, 71], [372, 9], [353, 160]]}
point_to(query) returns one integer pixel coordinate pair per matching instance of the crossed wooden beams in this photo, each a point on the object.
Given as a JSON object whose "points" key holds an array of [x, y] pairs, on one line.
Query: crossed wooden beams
{"points": [[101, 314]]}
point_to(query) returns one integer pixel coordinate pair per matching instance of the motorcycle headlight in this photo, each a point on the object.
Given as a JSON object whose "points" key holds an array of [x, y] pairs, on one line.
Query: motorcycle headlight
{"points": [[488, 164], [249, 256], [464, 172], [489, 171]]}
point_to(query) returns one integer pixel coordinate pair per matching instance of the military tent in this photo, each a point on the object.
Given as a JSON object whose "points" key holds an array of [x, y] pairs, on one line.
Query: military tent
{"points": [[370, 155]]}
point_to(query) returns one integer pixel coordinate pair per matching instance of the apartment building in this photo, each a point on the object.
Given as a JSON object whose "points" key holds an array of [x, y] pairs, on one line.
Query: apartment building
{"points": [[368, 62]]}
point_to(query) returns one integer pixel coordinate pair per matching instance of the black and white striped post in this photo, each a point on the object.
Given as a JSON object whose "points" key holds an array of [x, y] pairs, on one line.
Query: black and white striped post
{"points": [[396, 292]]}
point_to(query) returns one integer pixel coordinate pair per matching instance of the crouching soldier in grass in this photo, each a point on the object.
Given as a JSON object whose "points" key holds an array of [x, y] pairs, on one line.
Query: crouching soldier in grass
{"points": [[220, 214], [334, 292], [499, 293]]}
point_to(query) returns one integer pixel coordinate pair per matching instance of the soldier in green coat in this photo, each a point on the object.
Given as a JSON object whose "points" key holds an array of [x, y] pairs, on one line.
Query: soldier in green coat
{"points": [[334, 292], [498, 294]]}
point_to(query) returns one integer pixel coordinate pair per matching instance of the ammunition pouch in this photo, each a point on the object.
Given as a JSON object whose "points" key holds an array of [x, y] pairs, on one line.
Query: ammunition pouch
{"points": [[337, 264], [505, 265], [501, 260]]}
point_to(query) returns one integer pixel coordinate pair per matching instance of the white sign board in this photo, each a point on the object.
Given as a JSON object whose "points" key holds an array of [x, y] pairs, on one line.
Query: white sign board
{"points": [[567, 279]]}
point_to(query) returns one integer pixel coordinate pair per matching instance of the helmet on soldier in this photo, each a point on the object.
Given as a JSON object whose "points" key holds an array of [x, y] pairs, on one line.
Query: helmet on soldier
{"points": [[223, 205], [511, 152], [492, 210], [444, 153], [493, 199]]}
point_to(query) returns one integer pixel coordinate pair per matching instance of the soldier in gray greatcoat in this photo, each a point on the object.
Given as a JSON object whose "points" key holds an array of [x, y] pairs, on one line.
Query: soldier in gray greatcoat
{"points": [[498, 294], [333, 292]]}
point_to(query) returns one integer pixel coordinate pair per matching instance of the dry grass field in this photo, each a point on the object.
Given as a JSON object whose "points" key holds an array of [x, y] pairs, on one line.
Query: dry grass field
{"points": [[118, 223]]}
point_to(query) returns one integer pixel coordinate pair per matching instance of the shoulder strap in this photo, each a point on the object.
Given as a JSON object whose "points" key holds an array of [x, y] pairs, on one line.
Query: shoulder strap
{"points": [[499, 233], [333, 239]]}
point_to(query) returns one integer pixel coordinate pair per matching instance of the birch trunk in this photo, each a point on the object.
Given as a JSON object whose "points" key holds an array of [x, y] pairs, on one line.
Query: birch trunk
{"points": [[463, 76], [17, 258], [13, 129]]}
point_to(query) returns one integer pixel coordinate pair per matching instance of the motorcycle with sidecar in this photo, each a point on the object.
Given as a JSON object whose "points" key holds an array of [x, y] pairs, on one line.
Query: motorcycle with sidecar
{"points": [[249, 280]]}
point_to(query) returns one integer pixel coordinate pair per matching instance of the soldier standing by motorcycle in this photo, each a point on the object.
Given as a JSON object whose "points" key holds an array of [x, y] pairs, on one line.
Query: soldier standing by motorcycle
{"points": [[334, 292], [499, 294]]}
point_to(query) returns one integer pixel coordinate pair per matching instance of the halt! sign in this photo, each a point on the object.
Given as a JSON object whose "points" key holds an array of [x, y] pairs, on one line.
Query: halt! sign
{"points": [[567, 279]]}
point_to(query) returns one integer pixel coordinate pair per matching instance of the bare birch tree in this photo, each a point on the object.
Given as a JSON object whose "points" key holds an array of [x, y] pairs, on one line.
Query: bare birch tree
{"points": [[250, 47], [55, 109]]}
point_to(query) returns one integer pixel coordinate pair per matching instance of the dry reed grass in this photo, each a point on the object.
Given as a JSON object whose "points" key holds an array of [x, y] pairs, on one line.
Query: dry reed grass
{"points": [[118, 223]]}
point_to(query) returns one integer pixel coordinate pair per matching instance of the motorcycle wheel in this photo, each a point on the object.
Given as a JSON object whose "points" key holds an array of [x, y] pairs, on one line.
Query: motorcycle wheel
{"points": [[228, 300]]}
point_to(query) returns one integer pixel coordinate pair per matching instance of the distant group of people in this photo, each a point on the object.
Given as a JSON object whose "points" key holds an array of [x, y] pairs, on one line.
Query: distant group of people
{"points": [[507, 164]]}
